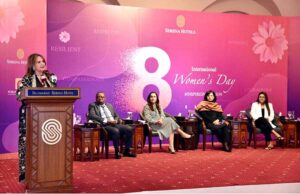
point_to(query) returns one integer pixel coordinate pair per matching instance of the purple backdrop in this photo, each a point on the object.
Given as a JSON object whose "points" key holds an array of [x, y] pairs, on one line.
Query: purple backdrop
{"points": [[128, 52]]}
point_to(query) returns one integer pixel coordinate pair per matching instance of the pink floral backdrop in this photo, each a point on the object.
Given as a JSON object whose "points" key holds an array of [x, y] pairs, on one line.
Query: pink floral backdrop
{"points": [[22, 32]]}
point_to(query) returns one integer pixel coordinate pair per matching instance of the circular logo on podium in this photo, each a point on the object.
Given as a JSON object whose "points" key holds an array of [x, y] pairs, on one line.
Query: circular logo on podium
{"points": [[51, 131]]}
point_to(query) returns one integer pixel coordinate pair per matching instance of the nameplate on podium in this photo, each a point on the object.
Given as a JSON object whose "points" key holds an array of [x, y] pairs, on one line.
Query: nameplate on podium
{"points": [[51, 93]]}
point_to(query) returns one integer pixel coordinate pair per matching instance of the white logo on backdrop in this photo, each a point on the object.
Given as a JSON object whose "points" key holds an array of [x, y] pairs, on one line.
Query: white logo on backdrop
{"points": [[64, 36], [51, 131]]}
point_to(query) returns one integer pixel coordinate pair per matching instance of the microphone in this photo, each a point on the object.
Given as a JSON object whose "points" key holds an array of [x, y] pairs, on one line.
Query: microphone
{"points": [[53, 78]]}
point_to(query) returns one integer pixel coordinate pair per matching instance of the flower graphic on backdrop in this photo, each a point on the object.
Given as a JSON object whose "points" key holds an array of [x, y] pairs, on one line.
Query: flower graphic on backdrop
{"points": [[64, 36], [11, 18], [270, 42]]}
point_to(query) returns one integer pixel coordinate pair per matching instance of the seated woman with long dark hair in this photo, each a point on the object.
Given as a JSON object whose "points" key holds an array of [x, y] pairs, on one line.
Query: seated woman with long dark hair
{"points": [[262, 113], [165, 126], [212, 114]]}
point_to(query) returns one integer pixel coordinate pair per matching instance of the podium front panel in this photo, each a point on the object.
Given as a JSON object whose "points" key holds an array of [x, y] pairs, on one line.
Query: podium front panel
{"points": [[49, 146]]}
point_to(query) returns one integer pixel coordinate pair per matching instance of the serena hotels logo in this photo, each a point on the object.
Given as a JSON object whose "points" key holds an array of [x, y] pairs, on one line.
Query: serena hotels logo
{"points": [[20, 53], [181, 22]]}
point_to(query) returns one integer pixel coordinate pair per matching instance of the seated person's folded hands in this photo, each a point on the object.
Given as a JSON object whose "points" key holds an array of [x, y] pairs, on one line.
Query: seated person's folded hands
{"points": [[114, 122], [217, 122], [160, 121], [227, 123]]}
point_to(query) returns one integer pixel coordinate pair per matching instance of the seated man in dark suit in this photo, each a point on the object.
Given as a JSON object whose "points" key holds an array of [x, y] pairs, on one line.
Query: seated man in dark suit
{"points": [[103, 113]]}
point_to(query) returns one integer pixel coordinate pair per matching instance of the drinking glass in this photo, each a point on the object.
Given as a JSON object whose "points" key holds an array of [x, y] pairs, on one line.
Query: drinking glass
{"points": [[78, 119], [291, 114], [129, 115], [191, 114]]}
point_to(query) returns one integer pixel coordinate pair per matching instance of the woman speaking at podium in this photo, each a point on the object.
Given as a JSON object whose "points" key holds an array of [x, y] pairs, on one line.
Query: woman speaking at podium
{"points": [[37, 76]]}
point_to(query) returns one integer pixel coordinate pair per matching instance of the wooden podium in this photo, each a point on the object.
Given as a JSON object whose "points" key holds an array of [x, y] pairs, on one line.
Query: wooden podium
{"points": [[49, 147]]}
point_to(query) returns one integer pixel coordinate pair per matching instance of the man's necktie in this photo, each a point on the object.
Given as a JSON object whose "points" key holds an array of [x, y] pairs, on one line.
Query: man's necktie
{"points": [[108, 116]]}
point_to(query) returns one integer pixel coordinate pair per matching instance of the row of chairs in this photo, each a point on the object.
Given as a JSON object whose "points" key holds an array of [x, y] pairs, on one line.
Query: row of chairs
{"points": [[252, 129], [203, 130]]}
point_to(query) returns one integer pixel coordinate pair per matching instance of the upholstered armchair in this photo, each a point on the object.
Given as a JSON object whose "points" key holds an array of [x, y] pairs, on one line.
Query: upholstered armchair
{"points": [[104, 137], [254, 131], [204, 130], [150, 133]]}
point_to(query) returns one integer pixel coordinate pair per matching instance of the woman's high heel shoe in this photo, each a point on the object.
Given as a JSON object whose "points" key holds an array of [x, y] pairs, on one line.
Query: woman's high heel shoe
{"points": [[184, 134], [280, 138], [269, 147], [171, 151], [188, 136]]}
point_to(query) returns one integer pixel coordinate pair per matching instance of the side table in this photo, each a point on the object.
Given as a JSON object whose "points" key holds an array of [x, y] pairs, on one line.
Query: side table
{"points": [[86, 145], [188, 126], [239, 133], [137, 137], [290, 131]]}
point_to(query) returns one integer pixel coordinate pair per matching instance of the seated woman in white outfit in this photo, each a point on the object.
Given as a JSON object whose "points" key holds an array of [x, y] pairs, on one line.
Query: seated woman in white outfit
{"points": [[165, 126], [262, 113]]}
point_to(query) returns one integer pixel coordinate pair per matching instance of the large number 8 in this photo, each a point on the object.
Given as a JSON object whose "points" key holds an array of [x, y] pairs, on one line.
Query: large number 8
{"points": [[145, 78]]}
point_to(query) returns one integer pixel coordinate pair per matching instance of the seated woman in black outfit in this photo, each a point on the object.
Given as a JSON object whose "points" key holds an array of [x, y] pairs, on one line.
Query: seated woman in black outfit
{"points": [[262, 113], [212, 114]]}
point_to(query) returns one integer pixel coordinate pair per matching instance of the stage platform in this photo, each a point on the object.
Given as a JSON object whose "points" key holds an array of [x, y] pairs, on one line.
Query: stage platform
{"points": [[163, 171]]}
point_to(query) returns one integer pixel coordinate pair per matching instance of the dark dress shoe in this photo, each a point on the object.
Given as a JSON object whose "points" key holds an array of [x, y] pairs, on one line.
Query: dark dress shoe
{"points": [[227, 147], [129, 154], [118, 155]]}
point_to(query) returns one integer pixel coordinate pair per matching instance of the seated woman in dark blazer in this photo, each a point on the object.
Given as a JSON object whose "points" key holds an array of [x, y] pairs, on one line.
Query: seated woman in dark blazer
{"points": [[262, 113], [212, 114]]}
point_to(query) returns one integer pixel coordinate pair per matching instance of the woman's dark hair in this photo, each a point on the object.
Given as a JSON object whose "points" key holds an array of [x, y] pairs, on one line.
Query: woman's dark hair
{"points": [[31, 61], [266, 100], [156, 103], [209, 92]]}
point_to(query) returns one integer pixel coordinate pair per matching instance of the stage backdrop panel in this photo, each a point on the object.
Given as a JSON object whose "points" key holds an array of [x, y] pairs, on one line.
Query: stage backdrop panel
{"points": [[22, 32], [128, 52]]}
